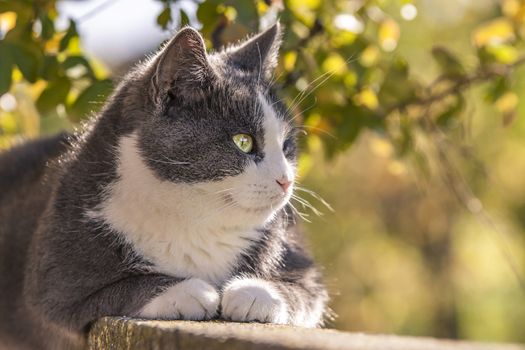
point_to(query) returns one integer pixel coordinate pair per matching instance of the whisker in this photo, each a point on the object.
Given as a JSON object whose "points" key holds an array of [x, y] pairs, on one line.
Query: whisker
{"points": [[316, 129], [307, 204], [302, 215], [171, 162], [316, 196]]}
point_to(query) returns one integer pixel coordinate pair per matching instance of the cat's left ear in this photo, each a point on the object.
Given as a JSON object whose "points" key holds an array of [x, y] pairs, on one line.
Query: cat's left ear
{"points": [[259, 53], [182, 65]]}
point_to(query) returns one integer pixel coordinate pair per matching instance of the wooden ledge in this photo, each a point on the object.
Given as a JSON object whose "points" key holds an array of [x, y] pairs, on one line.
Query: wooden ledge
{"points": [[125, 333]]}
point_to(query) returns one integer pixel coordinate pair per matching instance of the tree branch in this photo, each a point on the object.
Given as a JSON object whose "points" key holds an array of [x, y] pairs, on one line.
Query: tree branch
{"points": [[481, 75]]}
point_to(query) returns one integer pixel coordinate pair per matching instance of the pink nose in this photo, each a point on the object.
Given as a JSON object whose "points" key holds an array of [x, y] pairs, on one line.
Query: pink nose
{"points": [[284, 183]]}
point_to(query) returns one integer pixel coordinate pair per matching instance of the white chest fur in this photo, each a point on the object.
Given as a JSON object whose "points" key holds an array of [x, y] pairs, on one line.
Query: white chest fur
{"points": [[180, 228]]}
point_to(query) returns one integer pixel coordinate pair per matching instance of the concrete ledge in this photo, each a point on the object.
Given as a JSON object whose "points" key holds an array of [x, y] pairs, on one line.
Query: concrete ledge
{"points": [[124, 333]]}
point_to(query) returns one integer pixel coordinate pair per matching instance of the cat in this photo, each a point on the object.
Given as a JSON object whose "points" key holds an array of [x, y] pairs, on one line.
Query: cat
{"points": [[172, 203]]}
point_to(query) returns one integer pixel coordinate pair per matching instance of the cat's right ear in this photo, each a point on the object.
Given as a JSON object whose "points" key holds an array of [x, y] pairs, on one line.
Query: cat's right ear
{"points": [[183, 66]]}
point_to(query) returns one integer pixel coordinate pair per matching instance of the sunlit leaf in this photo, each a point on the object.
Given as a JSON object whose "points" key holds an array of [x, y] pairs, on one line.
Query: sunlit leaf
{"points": [[304, 10], [503, 53], [290, 58], [369, 56], [8, 20], [506, 105], [70, 34], [368, 98], [75, 61], [388, 34], [335, 64], [497, 31], [54, 94]]}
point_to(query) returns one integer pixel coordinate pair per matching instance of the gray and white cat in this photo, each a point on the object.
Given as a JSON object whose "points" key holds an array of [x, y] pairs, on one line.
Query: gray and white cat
{"points": [[172, 204]]}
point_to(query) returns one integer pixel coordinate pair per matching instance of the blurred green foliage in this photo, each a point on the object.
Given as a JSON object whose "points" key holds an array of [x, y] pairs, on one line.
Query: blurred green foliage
{"points": [[415, 255]]}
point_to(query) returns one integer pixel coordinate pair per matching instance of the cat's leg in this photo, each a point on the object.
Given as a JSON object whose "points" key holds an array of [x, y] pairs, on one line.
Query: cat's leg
{"points": [[148, 296], [292, 295], [191, 299], [248, 299]]}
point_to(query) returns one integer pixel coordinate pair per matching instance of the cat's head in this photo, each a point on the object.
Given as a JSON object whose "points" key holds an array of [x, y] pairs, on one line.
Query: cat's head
{"points": [[216, 126]]}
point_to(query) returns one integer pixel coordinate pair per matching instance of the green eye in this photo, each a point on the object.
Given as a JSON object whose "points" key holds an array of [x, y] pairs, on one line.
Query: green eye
{"points": [[244, 142]]}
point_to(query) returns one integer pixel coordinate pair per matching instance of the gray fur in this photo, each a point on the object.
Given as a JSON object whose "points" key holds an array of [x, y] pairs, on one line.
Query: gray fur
{"points": [[60, 270]]}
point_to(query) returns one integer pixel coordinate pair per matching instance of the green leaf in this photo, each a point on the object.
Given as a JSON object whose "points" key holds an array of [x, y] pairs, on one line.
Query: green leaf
{"points": [[50, 68], [70, 34], [48, 27], [184, 20], [73, 61], [89, 100], [208, 15], [448, 118], [497, 88], [28, 58], [246, 13], [396, 85], [6, 68], [165, 17], [447, 61], [54, 94]]}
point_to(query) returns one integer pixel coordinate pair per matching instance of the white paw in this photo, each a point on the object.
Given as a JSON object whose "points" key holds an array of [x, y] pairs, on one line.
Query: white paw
{"points": [[253, 299], [191, 299]]}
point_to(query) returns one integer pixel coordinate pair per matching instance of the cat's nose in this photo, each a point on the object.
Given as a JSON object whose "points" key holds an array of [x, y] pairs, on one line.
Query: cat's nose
{"points": [[284, 183]]}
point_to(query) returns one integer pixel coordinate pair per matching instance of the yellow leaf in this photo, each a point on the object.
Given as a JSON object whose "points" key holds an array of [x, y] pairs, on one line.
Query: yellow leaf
{"points": [[304, 10], [381, 147], [369, 56], [262, 7], [507, 102], [289, 60], [305, 164], [514, 9], [314, 143], [17, 75], [342, 38], [503, 53], [497, 31], [8, 123], [389, 34], [231, 13], [7, 21], [51, 46], [368, 98], [350, 79], [396, 168], [335, 64]]}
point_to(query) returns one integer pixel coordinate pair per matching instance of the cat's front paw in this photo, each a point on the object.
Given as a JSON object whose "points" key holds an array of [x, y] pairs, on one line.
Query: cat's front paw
{"points": [[251, 299], [191, 299]]}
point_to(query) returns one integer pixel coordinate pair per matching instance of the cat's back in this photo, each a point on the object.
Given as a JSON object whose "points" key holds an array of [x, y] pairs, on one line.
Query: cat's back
{"points": [[25, 187], [26, 163]]}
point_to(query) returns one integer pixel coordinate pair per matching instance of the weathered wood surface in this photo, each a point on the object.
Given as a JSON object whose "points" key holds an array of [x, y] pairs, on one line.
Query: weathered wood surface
{"points": [[125, 333]]}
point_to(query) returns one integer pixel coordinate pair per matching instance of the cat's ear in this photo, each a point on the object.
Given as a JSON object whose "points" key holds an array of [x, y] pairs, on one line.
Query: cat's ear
{"points": [[258, 54], [183, 64]]}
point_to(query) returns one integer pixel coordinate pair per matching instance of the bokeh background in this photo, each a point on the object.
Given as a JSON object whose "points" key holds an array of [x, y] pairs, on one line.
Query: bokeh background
{"points": [[414, 133]]}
